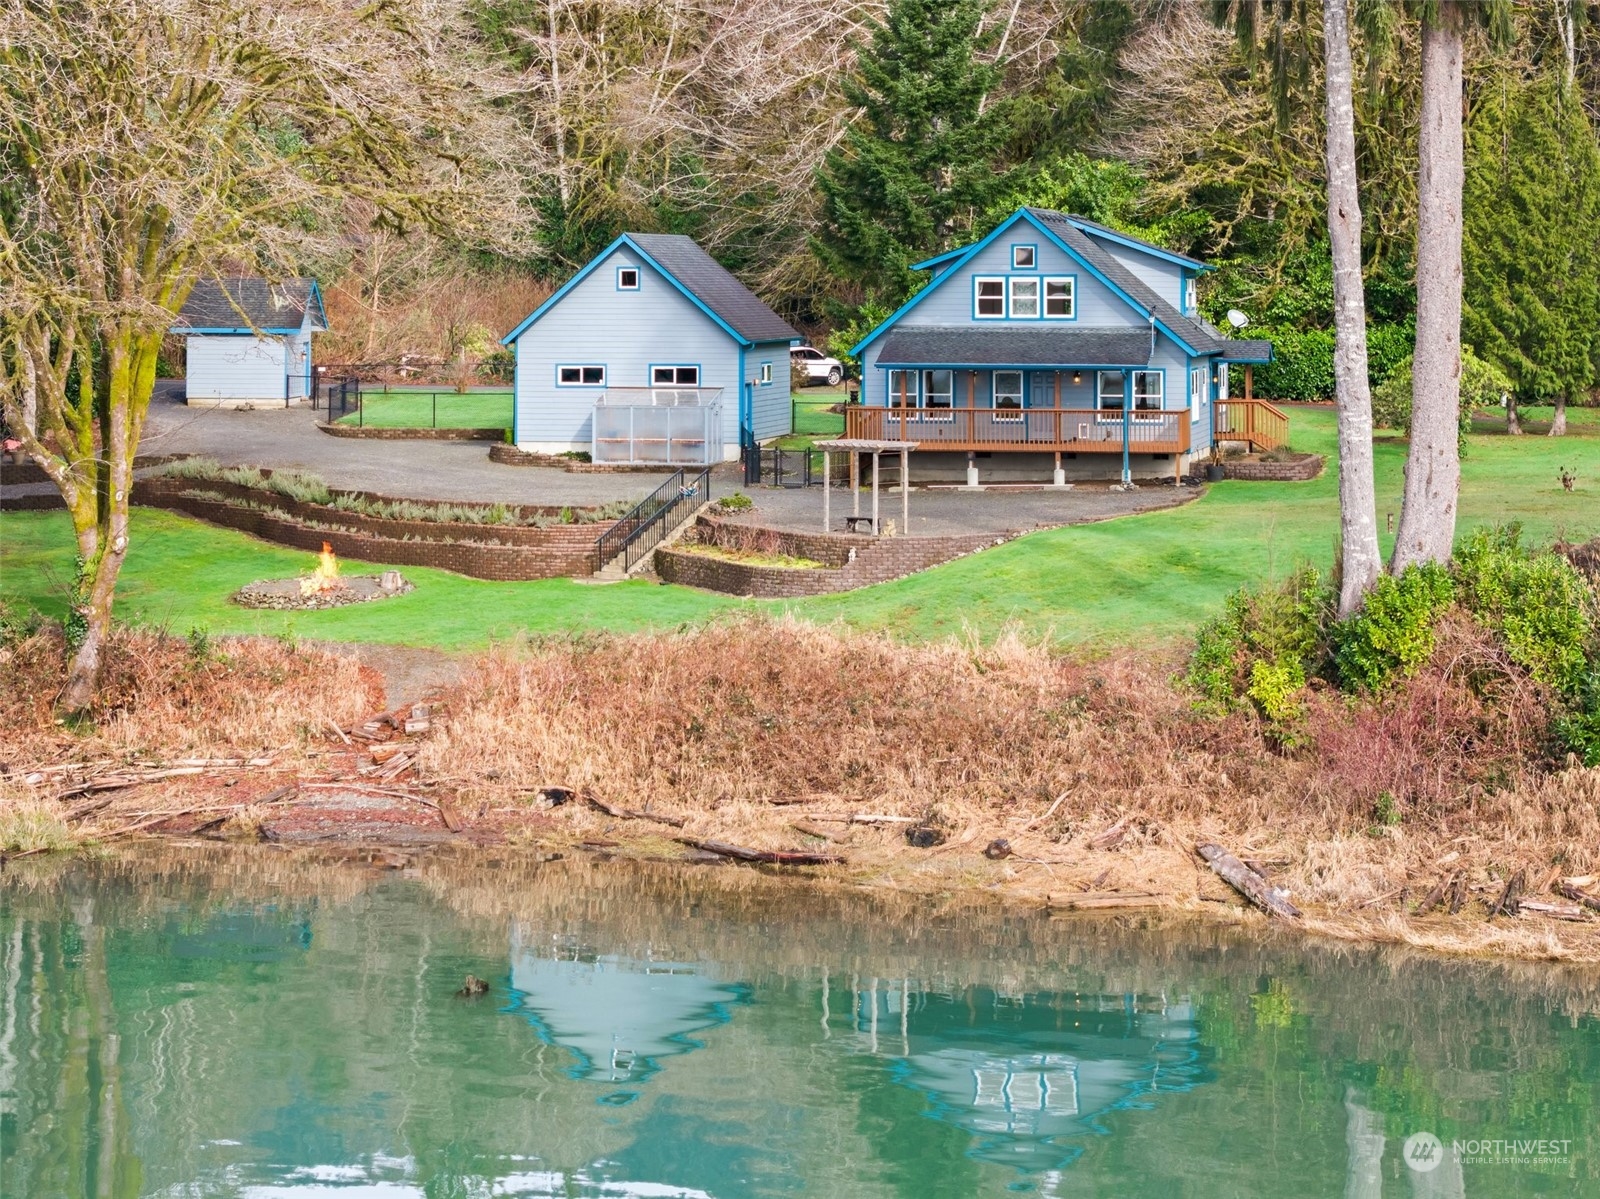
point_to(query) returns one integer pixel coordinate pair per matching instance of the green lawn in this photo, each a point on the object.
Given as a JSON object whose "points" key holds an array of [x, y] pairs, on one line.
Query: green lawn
{"points": [[412, 409], [1137, 578], [811, 418]]}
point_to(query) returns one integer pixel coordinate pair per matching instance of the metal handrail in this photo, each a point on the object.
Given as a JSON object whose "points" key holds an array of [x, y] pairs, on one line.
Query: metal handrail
{"points": [[631, 537]]}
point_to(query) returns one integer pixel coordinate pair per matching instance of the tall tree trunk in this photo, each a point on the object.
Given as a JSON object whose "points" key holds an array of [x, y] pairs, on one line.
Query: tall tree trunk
{"points": [[1433, 466], [1558, 423], [1360, 558]]}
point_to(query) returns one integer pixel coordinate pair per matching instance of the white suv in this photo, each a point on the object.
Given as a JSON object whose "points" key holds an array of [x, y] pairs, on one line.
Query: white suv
{"points": [[818, 366]]}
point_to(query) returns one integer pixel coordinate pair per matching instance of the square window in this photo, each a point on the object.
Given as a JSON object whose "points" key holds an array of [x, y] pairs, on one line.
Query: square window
{"points": [[1060, 300], [1024, 298], [1148, 391], [904, 391], [628, 278], [991, 298], [1108, 391], [1023, 257]]}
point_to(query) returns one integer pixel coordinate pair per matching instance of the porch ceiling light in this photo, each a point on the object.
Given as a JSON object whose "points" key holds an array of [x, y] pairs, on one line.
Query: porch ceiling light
{"points": [[1077, 377]]}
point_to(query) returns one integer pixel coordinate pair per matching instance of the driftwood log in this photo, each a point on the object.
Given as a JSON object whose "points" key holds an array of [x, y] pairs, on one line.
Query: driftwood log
{"points": [[778, 857], [1247, 882], [1578, 896], [616, 813], [1109, 899]]}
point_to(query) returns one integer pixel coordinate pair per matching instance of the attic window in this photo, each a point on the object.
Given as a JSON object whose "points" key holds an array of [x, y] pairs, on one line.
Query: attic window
{"points": [[1023, 257], [628, 278]]}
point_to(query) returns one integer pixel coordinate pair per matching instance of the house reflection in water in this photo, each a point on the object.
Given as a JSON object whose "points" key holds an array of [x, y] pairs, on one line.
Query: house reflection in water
{"points": [[1031, 1076], [618, 1016]]}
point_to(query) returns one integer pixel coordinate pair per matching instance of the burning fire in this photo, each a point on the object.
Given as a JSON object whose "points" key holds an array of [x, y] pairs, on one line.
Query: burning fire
{"points": [[326, 575]]}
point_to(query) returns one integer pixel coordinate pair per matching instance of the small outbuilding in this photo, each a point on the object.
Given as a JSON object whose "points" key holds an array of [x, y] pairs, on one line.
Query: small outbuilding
{"points": [[248, 341], [652, 353]]}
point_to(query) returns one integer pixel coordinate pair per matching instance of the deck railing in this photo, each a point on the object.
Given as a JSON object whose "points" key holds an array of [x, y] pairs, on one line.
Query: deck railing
{"points": [[1258, 422], [1074, 430]]}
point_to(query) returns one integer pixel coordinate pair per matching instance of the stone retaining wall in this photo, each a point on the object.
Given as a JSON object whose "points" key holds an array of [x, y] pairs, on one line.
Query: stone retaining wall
{"points": [[1297, 470], [384, 433], [509, 455], [877, 560]]}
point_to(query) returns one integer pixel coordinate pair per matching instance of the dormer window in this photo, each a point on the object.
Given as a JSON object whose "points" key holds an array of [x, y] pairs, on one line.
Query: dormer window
{"points": [[627, 278], [1191, 296], [1024, 258]]}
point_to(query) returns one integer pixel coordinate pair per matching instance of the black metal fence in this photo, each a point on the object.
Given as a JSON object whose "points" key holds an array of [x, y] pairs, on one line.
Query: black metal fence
{"points": [[337, 397], [793, 468], [652, 518]]}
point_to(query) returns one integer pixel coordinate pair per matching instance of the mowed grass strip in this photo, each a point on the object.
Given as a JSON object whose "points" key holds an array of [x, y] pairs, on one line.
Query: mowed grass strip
{"points": [[1134, 579], [430, 409]]}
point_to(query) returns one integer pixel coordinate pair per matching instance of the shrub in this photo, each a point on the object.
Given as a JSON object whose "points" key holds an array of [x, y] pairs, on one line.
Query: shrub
{"points": [[1302, 366], [1537, 603], [1578, 730], [1393, 634], [1262, 647], [300, 486], [1482, 386], [737, 502], [18, 622], [1275, 689]]}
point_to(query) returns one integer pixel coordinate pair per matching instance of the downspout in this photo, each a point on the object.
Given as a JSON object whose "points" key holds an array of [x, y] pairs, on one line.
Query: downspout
{"points": [[740, 401], [516, 368]]}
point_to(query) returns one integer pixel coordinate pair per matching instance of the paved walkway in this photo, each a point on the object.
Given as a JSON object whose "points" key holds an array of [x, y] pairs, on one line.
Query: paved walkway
{"points": [[287, 438], [940, 511]]}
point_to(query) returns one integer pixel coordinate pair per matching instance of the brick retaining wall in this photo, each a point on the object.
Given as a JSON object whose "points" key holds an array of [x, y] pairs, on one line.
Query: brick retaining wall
{"points": [[509, 455], [384, 433], [878, 559], [1297, 470]]}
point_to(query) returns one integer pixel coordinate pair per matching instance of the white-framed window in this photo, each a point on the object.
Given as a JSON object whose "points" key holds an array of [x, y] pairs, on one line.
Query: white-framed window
{"points": [[1024, 297], [1061, 298], [988, 298], [1197, 392], [675, 376], [1023, 258], [1191, 295], [580, 376], [1008, 395], [904, 391], [1148, 391], [766, 374], [1108, 392], [938, 389], [627, 278]]}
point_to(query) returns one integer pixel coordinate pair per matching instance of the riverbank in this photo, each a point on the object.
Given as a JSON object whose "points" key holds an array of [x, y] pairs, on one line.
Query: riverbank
{"points": [[1096, 775]]}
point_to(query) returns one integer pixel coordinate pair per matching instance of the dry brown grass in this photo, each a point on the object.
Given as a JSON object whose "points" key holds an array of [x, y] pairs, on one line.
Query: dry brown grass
{"points": [[165, 697], [716, 723]]}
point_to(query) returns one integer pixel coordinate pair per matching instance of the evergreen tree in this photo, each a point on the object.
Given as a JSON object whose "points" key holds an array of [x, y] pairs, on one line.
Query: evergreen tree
{"points": [[921, 162], [1532, 259]]}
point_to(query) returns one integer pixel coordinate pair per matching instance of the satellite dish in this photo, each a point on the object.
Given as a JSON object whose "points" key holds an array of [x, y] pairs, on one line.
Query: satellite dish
{"points": [[1237, 319]]}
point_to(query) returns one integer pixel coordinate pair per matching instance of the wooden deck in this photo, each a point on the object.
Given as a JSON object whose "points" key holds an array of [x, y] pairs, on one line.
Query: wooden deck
{"points": [[1064, 430]]}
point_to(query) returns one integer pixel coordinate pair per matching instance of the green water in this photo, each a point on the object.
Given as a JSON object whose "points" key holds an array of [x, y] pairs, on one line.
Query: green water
{"points": [[211, 1022]]}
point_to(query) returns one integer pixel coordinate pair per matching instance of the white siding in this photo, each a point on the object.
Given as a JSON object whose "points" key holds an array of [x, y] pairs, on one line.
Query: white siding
{"points": [[223, 368]]}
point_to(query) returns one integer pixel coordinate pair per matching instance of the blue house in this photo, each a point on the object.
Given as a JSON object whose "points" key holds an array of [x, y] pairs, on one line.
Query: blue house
{"points": [[248, 341], [1056, 340], [652, 353]]}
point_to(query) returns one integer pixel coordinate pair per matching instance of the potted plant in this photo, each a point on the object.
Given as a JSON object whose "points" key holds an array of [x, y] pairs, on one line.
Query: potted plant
{"points": [[1214, 469]]}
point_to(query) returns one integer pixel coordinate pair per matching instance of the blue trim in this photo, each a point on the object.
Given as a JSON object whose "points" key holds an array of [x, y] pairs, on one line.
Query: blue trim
{"points": [[1024, 245], [594, 263], [516, 392], [929, 263], [184, 331], [638, 277], [1011, 366], [322, 310], [699, 368], [1134, 243], [764, 372], [580, 366], [746, 423], [974, 250]]}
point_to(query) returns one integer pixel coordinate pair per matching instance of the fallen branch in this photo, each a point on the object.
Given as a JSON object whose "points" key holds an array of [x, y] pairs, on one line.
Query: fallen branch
{"points": [[859, 818], [1510, 898], [617, 813], [343, 736], [1247, 882], [1111, 899], [778, 857], [1112, 837], [1578, 896], [1050, 811], [1557, 911]]}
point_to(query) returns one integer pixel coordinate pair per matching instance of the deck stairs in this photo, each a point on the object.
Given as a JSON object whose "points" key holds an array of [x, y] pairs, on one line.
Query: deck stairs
{"points": [[628, 548]]}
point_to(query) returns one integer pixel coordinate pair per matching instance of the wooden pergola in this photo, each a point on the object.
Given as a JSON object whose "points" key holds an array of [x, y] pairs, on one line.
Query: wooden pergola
{"points": [[855, 447]]}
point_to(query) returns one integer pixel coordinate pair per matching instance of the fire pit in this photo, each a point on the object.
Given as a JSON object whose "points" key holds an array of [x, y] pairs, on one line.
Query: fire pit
{"points": [[324, 587]]}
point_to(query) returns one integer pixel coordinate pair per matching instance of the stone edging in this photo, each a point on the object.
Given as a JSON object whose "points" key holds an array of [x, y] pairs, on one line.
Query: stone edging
{"points": [[1297, 470], [876, 560], [384, 433]]}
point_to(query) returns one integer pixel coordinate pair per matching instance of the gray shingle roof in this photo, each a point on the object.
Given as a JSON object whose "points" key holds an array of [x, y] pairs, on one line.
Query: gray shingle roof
{"points": [[1086, 224], [243, 303], [966, 346], [1191, 331], [714, 286], [1246, 351]]}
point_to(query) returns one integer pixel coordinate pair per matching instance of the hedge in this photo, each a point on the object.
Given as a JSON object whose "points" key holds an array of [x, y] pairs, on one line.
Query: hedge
{"points": [[1302, 366]]}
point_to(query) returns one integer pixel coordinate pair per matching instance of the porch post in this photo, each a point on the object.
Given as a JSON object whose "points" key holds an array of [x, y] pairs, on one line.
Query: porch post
{"points": [[905, 492], [1059, 479], [1127, 427], [972, 468], [1249, 381], [877, 530], [855, 483], [827, 523]]}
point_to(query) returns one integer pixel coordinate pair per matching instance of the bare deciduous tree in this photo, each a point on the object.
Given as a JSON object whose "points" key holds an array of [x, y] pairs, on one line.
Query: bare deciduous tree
{"points": [[150, 143]]}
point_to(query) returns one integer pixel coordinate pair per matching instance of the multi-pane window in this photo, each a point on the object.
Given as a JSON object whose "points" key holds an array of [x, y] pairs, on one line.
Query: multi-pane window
{"points": [[675, 376], [1197, 392], [1108, 391], [990, 298], [766, 372], [1024, 297], [1008, 391], [938, 389], [904, 391], [1148, 391], [1060, 298], [581, 376]]}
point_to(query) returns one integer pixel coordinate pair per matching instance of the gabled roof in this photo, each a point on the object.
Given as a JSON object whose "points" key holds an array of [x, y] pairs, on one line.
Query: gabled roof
{"points": [[1052, 345], [1192, 333], [700, 277], [251, 304], [1137, 243]]}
